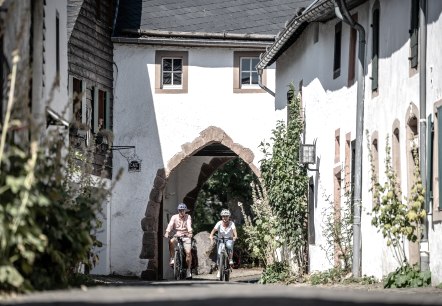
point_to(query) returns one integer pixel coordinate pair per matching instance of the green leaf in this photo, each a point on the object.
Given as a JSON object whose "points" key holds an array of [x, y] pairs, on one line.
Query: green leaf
{"points": [[10, 275]]}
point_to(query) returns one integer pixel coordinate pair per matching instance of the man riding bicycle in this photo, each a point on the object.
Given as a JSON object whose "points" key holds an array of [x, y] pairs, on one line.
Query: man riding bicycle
{"points": [[181, 224], [226, 229]]}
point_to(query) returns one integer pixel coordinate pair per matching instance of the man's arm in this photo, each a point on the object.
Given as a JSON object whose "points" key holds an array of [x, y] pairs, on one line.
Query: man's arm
{"points": [[189, 225], [235, 235], [170, 226]]}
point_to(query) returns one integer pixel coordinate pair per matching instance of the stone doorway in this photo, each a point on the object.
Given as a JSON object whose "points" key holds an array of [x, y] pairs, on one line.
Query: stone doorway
{"points": [[212, 143]]}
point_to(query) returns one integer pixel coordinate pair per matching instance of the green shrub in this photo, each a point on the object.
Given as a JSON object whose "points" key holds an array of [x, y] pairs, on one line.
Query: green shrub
{"points": [[275, 273], [48, 215], [333, 275], [408, 276]]}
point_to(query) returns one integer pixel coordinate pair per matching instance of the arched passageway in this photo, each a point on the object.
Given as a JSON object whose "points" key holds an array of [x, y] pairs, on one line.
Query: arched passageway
{"points": [[212, 142]]}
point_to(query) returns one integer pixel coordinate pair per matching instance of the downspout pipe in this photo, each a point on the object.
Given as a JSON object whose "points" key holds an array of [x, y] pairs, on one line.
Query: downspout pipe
{"points": [[424, 252], [260, 71], [342, 13]]}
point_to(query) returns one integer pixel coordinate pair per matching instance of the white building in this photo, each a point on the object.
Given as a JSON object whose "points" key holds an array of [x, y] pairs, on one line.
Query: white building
{"points": [[187, 98], [320, 53]]}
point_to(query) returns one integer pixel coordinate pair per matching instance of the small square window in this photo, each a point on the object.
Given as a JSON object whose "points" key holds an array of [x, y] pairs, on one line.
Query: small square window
{"points": [[249, 74], [171, 72], [245, 73]]}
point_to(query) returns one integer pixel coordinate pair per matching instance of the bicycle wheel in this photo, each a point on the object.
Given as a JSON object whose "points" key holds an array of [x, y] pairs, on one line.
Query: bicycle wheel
{"points": [[226, 268], [176, 266], [221, 266], [183, 264]]}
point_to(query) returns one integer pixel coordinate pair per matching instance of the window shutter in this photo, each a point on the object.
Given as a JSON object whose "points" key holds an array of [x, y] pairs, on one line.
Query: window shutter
{"points": [[108, 111], [311, 212], [94, 109], [429, 183], [337, 51], [375, 52], [414, 33], [439, 153]]}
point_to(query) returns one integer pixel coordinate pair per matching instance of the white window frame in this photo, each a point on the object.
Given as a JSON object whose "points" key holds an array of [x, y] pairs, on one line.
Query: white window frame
{"points": [[172, 72], [250, 71], [171, 89]]}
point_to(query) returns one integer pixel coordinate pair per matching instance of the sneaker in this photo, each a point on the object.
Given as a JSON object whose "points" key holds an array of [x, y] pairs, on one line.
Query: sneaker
{"points": [[188, 274], [171, 262], [230, 262], [218, 274]]}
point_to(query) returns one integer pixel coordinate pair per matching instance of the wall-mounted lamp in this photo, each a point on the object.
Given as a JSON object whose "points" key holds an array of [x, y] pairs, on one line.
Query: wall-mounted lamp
{"points": [[307, 155]]}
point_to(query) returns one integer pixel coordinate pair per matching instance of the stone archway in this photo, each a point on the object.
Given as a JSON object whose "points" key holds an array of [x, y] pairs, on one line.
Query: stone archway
{"points": [[150, 222]]}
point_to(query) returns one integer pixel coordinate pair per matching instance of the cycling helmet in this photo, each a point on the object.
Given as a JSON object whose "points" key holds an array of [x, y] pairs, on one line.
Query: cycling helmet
{"points": [[225, 212], [182, 206]]}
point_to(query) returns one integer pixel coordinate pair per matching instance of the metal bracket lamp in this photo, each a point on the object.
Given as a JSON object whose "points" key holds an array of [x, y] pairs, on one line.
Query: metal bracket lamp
{"points": [[307, 155]]}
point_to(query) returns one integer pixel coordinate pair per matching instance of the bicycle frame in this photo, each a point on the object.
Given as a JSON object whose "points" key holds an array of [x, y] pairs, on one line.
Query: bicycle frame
{"points": [[223, 260], [179, 266]]}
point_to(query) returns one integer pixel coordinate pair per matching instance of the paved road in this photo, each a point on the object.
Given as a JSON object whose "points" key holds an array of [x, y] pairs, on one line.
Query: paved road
{"points": [[214, 293]]}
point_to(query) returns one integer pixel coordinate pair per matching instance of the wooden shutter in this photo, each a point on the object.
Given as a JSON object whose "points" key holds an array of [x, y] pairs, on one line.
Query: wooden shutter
{"points": [[414, 33], [439, 153], [375, 52], [337, 53]]}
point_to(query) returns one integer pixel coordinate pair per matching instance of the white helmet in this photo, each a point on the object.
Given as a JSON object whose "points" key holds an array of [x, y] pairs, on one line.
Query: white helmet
{"points": [[225, 212]]}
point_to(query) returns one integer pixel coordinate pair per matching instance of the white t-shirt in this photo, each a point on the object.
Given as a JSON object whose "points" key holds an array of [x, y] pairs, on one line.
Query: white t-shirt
{"points": [[226, 232]]}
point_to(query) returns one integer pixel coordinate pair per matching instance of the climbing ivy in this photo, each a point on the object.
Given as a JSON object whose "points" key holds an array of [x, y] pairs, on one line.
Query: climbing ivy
{"points": [[286, 182]]}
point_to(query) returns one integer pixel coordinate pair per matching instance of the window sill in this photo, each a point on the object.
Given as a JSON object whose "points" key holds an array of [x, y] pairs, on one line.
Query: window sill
{"points": [[170, 91], [248, 90]]}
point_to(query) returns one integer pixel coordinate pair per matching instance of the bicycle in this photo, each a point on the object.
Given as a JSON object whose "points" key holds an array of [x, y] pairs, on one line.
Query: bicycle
{"points": [[223, 260], [179, 260]]}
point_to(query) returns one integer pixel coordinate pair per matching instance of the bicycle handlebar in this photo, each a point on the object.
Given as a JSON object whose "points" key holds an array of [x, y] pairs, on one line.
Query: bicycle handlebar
{"points": [[224, 238]]}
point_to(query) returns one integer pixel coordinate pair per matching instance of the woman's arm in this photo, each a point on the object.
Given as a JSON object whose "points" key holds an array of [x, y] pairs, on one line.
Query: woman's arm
{"points": [[213, 232], [235, 234]]}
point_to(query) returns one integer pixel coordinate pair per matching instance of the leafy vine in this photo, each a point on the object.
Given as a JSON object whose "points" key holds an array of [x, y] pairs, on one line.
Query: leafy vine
{"points": [[286, 182]]}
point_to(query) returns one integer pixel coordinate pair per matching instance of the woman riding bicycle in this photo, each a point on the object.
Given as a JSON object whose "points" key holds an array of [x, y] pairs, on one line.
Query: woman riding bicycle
{"points": [[226, 229]]}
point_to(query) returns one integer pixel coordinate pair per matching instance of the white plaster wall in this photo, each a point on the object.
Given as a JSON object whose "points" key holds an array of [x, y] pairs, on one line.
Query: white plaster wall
{"points": [[331, 105], [159, 124], [55, 96], [397, 89], [434, 94], [103, 235]]}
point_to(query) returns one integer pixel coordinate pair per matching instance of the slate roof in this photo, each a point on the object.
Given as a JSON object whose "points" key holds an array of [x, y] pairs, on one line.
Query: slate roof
{"points": [[321, 10], [209, 16]]}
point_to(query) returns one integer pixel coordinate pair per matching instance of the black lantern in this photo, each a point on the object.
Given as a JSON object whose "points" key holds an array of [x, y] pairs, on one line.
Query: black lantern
{"points": [[307, 155]]}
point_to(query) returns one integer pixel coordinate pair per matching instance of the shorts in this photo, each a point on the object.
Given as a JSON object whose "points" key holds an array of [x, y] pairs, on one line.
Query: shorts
{"points": [[229, 246], [187, 243]]}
